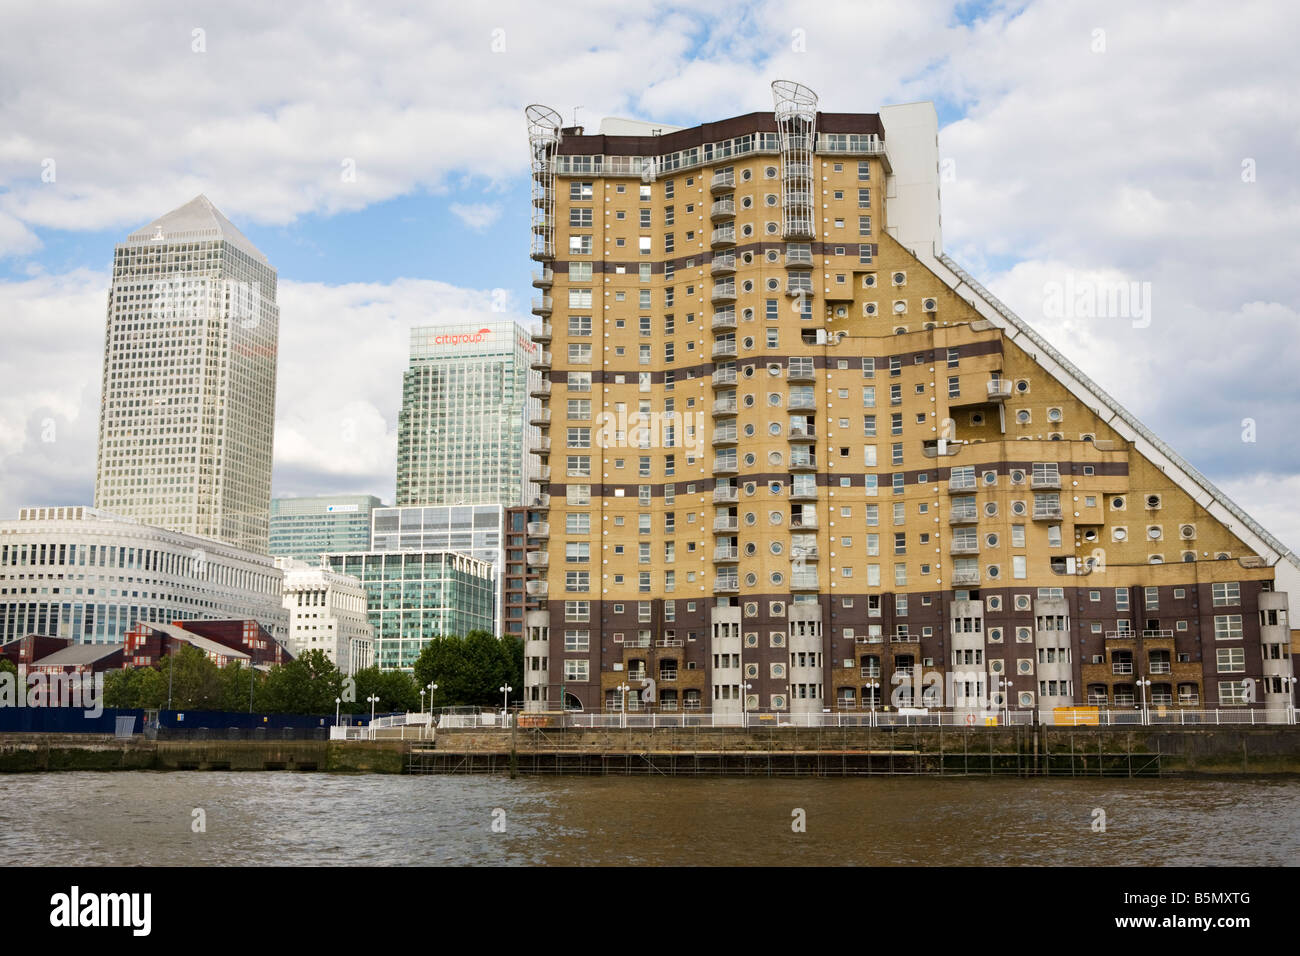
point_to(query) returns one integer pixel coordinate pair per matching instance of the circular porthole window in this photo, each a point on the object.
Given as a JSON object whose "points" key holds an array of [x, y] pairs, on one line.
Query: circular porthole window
{"points": [[749, 431], [1154, 533], [777, 577], [746, 175], [751, 579], [747, 258], [770, 199], [747, 285], [772, 256], [747, 230], [747, 342], [772, 228], [773, 284], [1120, 534], [990, 477], [770, 172], [1053, 414], [774, 458], [775, 517], [1017, 507], [774, 428], [1117, 503], [749, 460], [900, 307], [991, 508], [1090, 535], [751, 549], [750, 518], [775, 487], [1022, 416], [1022, 386], [749, 371], [750, 487], [994, 570], [991, 541], [749, 401], [774, 399], [777, 547], [746, 203]]}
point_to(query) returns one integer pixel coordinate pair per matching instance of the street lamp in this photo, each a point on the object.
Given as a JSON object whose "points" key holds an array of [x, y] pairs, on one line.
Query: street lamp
{"points": [[622, 699], [505, 699], [1288, 688], [373, 699], [431, 687], [1142, 686], [873, 686], [338, 702], [1004, 685], [745, 688]]}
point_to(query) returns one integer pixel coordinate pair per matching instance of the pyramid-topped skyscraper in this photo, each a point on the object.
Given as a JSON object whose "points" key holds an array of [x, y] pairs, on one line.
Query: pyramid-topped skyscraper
{"points": [[188, 408]]}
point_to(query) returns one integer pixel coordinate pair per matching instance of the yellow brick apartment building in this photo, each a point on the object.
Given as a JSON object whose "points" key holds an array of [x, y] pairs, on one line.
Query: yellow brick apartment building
{"points": [[796, 461]]}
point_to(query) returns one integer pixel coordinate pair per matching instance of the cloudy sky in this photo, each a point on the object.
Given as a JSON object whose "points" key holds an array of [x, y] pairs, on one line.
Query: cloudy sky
{"points": [[1150, 143]]}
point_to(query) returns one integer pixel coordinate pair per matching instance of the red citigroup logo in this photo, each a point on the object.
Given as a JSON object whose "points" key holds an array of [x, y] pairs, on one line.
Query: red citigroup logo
{"points": [[462, 338]]}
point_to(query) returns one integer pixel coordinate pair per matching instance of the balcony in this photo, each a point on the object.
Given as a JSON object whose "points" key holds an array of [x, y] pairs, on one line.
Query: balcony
{"points": [[800, 257], [723, 209], [806, 492], [961, 486], [723, 293], [541, 418], [535, 588], [964, 547], [542, 336], [727, 437], [803, 463], [543, 250], [964, 517], [541, 502], [724, 349], [1125, 700], [723, 321], [722, 182], [542, 475], [1165, 634], [724, 466], [999, 389], [540, 389], [904, 637], [670, 642], [538, 529], [965, 578], [668, 674], [726, 524], [543, 278], [1048, 514], [801, 373], [540, 446], [726, 586], [723, 237], [541, 361], [725, 406], [869, 639], [1121, 667], [1121, 635], [796, 172], [801, 288], [1045, 482], [1098, 700], [538, 559], [722, 265], [1189, 700], [723, 377], [726, 495], [799, 228], [804, 522], [802, 403], [809, 553], [1160, 667], [803, 582], [728, 555], [542, 305], [802, 433]]}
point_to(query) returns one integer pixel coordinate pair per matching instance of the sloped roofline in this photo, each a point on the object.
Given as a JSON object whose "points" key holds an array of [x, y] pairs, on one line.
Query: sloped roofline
{"points": [[1202, 490], [197, 219]]}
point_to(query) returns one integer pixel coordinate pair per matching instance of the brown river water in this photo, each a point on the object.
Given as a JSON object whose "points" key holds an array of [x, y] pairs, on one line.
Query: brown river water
{"points": [[252, 819]]}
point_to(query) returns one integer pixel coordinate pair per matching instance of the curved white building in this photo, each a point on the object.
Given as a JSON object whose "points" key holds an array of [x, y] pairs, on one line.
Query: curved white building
{"points": [[89, 575]]}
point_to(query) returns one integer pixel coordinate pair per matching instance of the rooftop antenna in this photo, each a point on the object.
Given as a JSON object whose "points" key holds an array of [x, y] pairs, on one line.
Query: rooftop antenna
{"points": [[575, 114]]}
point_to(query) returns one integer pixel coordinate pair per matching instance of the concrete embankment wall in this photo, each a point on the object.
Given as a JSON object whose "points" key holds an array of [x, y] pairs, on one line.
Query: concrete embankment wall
{"points": [[46, 752], [1204, 750]]}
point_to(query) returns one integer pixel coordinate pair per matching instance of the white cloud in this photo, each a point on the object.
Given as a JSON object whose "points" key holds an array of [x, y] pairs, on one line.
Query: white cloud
{"points": [[476, 215]]}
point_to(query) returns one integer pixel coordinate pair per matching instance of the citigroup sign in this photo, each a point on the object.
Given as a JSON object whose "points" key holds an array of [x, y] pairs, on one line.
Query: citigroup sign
{"points": [[462, 338]]}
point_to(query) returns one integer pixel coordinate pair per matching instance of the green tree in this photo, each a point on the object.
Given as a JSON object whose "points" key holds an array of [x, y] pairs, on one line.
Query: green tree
{"points": [[395, 689], [8, 667], [307, 685], [191, 678], [470, 670], [235, 687]]}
